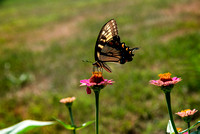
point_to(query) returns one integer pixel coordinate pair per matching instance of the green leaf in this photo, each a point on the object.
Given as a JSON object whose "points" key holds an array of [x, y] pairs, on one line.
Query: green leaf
{"points": [[196, 132], [69, 127], [85, 125], [170, 128], [24, 126]]}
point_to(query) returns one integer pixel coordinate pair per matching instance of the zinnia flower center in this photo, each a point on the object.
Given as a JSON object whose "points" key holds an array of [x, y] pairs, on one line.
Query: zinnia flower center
{"points": [[96, 77], [185, 110], [165, 77]]}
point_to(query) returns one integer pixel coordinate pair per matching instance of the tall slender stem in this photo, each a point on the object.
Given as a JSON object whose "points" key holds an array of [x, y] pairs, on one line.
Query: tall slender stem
{"points": [[167, 96], [72, 120], [188, 127], [97, 92]]}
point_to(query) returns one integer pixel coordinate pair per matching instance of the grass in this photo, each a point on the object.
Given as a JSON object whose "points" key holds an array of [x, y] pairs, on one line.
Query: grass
{"points": [[32, 43]]}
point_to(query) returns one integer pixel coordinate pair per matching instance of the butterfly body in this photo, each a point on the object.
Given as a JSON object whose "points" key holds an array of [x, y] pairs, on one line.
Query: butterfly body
{"points": [[109, 48]]}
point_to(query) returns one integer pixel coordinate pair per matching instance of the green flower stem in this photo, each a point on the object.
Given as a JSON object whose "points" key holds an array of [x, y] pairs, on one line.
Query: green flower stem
{"points": [[167, 96], [72, 120], [188, 127], [97, 92]]}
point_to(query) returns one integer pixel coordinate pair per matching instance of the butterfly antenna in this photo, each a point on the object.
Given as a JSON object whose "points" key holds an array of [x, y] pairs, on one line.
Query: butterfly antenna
{"points": [[133, 49]]}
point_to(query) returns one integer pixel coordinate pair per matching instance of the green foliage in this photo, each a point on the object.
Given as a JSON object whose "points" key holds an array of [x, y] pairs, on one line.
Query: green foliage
{"points": [[193, 126], [15, 68], [85, 125], [70, 127], [24, 126], [171, 131]]}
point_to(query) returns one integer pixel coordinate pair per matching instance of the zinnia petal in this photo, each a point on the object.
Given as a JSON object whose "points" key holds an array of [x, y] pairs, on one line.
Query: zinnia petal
{"points": [[95, 82], [165, 80], [187, 112], [67, 100], [156, 82], [84, 81]]}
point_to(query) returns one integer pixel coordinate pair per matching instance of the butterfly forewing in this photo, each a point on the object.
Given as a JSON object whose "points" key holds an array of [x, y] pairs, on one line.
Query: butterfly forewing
{"points": [[108, 31]]}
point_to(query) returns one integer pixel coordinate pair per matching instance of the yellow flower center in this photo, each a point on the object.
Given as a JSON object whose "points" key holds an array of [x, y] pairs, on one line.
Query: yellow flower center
{"points": [[165, 77], [96, 77], [97, 74], [185, 110]]}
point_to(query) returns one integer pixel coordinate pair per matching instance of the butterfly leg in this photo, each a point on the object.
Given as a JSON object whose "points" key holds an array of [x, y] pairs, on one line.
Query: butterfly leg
{"points": [[101, 69]]}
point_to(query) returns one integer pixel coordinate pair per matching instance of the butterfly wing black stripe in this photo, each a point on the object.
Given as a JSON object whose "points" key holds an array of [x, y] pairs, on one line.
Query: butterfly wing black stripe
{"points": [[106, 67]]}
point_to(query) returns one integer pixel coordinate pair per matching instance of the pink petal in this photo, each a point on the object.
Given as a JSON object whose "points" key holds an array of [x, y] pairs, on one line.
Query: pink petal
{"points": [[83, 84], [167, 83], [110, 82], [156, 82], [176, 79], [187, 113], [84, 81], [91, 84], [102, 83], [106, 82]]}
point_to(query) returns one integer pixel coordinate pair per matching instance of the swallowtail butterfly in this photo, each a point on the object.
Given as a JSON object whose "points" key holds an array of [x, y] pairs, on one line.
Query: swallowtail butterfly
{"points": [[109, 48]]}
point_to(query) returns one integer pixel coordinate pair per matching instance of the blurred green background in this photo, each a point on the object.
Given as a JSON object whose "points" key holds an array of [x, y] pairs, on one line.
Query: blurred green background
{"points": [[43, 43]]}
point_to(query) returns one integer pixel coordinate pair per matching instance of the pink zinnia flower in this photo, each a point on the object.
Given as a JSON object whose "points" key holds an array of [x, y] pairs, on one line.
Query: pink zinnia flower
{"points": [[165, 80], [95, 82], [67, 100], [186, 113]]}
